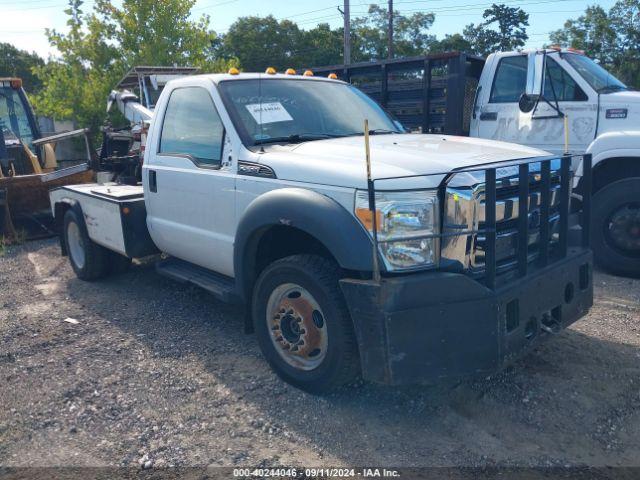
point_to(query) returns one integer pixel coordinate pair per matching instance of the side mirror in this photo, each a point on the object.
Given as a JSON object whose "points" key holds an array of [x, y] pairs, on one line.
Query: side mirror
{"points": [[536, 62], [527, 102]]}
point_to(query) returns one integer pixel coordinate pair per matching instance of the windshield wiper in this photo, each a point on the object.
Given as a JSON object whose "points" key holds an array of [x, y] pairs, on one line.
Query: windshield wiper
{"points": [[381, 131], [375, 131], [611, 88], [296, 138]]}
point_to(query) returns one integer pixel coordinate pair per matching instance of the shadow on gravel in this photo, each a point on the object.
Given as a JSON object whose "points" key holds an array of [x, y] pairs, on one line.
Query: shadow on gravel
{"points": [[554, 406]]}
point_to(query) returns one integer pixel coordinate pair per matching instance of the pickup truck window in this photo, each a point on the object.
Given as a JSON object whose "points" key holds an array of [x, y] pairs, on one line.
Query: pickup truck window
{"points": [[558, 84], [294, 110], [192, 127], [510, 80]]}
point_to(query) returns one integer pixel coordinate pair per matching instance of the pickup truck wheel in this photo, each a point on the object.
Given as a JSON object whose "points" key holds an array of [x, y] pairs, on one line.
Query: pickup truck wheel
{"points": [[616, 227], [303, 325], [88, 259]]}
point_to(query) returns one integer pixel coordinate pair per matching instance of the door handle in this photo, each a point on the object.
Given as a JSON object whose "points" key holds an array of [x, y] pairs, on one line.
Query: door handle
{"points": [[489, 116], [153, 182]]}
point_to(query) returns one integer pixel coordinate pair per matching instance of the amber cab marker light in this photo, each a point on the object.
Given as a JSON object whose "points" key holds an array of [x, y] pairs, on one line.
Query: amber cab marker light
{"points": [[16, 83], [233, 71], [332, 76], [270, 71], [308, 73], [290, 71]]}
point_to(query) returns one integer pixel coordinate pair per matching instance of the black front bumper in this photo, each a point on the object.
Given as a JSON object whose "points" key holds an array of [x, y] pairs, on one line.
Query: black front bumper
{"points": [[427, 327]]}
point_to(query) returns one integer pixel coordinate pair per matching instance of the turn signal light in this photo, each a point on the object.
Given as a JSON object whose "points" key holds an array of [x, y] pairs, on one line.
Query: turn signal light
{"points": [[364, 215], [270, 71]]}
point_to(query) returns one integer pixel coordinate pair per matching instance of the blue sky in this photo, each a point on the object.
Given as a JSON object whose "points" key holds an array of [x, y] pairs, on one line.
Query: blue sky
{"points": [[24, 21]]}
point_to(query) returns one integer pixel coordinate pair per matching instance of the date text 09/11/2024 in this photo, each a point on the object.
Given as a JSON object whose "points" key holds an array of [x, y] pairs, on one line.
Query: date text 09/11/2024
{"points": [[316, 472]]}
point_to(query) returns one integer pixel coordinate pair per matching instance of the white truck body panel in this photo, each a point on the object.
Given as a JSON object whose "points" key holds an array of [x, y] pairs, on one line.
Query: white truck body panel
{"points": [[102, 217]]}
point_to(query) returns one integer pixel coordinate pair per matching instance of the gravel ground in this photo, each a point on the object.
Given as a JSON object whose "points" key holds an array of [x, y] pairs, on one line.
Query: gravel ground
{"points": [[161, 374]]}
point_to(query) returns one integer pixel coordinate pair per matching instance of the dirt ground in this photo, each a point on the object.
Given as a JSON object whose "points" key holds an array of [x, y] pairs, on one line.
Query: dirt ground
{"points": [[161, 374]]}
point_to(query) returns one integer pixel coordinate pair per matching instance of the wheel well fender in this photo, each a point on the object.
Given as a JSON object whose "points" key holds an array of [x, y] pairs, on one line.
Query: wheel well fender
{"points": [[613, 169], [307, 211]]}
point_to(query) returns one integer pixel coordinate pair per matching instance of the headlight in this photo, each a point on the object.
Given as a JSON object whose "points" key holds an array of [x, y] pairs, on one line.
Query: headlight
{"points": [[403, 220]]}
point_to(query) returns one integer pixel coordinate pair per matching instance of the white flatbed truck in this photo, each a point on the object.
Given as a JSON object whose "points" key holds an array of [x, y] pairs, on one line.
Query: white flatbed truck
{"points": [[449, 257]]}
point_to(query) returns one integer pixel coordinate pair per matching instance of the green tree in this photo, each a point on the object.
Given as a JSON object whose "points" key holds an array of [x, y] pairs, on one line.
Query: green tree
{"points": [[451, 43], [611, 38], [503, 29], [591, 32], [260, 42], [20, 63], [625, 19], [410, 34], [99, 47], [321, 46]]}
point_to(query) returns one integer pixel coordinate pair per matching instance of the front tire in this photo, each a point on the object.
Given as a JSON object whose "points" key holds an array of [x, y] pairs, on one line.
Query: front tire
{"points": [[616, 227], [88, 259], [302, 324]]}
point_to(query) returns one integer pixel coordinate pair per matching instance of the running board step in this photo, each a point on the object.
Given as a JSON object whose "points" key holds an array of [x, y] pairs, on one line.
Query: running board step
{"points": [[221, 286]]}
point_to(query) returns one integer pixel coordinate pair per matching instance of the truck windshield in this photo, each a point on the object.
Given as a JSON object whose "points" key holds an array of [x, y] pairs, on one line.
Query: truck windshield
{"points": [[14, 120], [596, 76], [281, 110]]}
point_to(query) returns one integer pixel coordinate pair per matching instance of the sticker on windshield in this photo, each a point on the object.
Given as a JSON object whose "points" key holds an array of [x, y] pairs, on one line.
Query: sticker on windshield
{"points": [[272, 112]]}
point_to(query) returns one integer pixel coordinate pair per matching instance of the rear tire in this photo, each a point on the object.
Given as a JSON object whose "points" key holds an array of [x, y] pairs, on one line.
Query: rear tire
{"points": [[616, 227], [88, 259], [303, 326]]}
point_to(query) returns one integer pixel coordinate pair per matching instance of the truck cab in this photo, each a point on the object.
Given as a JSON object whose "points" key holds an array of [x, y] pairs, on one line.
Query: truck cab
{"points": [[602, 118], [357, 248]]}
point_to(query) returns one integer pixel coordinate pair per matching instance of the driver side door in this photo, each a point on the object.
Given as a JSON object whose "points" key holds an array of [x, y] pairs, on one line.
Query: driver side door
{"points": [[190, 189]]}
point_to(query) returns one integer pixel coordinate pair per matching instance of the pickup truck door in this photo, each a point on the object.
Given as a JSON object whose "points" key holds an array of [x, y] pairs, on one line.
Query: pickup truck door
{"points": [[499, 116], [189, 180]]}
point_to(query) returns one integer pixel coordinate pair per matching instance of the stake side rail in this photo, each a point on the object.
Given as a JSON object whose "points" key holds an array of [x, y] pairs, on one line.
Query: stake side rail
{"points": [[492, 178]]}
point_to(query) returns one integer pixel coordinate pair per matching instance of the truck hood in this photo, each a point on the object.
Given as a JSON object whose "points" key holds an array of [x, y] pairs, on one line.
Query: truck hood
{"points": [[341, 161], [624, 97]]}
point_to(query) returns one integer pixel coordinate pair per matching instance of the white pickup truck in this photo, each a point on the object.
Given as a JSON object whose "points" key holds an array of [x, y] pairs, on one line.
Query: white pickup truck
{"points": [[451, 259]]}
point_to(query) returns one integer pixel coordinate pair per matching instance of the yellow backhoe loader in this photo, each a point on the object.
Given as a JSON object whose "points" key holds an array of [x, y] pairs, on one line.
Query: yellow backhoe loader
{"points": [[28, 166]]}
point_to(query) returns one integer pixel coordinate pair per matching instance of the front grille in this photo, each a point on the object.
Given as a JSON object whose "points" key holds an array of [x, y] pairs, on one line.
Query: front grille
{"points": [[501, 216], [465, 211]]}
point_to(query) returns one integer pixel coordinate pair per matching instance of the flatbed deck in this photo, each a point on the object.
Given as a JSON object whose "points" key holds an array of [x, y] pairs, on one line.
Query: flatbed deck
{"points": [[115, 215]]}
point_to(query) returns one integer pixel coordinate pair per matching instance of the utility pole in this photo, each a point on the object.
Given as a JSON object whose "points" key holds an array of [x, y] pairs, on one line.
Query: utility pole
{"points": [[390, 33], [347, 34]]}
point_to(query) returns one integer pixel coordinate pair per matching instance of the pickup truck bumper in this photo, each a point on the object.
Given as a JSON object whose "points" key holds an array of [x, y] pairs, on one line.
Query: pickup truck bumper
{"points": [[432, 326]]}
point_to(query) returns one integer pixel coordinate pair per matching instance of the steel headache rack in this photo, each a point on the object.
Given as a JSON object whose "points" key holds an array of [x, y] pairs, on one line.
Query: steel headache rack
{"points": [[517, 215]]}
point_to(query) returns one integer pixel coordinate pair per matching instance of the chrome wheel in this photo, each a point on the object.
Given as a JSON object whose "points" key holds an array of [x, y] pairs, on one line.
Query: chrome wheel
{"points": [[297, 326], [75, 244]]}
